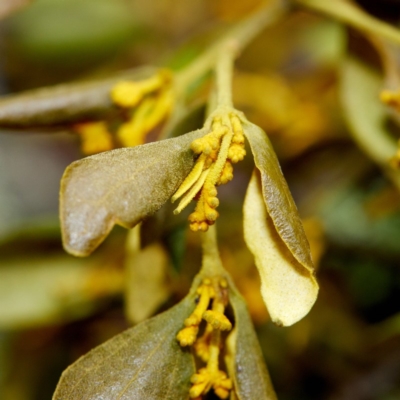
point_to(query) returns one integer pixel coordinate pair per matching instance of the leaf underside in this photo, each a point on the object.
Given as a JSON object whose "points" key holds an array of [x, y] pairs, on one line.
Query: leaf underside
{"points": [[122, 187], [277, 197], [144, 362], [289, 290]]}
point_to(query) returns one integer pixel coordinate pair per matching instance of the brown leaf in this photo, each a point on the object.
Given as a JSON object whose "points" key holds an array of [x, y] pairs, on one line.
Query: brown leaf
{"points": [[289, 290], [144, 362], [277, 196], [65, 103], [122, 187], [245, 360]]}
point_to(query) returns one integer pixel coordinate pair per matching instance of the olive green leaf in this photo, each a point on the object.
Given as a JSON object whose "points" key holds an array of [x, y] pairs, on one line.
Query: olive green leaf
{"points": [[366, 116], [60, 104], [278, 200], [144, 362], [245, 361], [288, 288], [121, 186]]}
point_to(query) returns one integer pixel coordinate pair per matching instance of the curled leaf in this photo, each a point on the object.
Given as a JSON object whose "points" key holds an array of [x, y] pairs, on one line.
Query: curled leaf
{"points": [[277, 197], [245, 360], [144, 362], [122, 187], [288, 288], [64, 103]]}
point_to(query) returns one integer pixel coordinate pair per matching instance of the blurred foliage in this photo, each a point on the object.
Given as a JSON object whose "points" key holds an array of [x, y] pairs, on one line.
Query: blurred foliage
{"points": [[310, 82]]}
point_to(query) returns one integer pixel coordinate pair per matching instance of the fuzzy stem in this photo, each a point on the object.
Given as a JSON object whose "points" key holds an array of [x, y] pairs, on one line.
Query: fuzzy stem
{"points": [[224, 73], [212, 265]]}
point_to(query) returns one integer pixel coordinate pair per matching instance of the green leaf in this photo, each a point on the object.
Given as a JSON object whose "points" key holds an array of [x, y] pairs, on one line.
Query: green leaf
{"points": [[122, 187], [289, 290], [366, 115], [65, 103], [245, 360], [278, 199], [47, 290], [144, 362]]}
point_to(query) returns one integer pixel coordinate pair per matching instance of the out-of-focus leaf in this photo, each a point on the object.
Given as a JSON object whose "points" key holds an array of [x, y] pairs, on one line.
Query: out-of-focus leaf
{"points": [[42, 291], [245, 360], [122, 187], [288, 288], [348, 12], [8, 7], [278, 200], [146, 286], [43, 31], [64, 103], [144, 362], [366, 116]]}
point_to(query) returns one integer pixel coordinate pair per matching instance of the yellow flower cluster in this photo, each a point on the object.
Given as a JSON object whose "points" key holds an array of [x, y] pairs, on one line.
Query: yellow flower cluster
{"points": [[208, 346], [217, 151], [147, 103], [152, 99], [391, 98], [95, 137]]}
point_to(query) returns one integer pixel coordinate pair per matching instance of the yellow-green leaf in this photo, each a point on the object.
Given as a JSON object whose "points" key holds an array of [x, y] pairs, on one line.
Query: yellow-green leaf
{"points": [[54, 289], [366, 116], [122, 187], [278, 199], [288, 288], [245, 360], [144, 362]]}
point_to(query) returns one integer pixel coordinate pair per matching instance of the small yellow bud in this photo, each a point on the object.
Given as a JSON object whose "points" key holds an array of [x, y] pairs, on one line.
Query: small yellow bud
{"points": [[211, 215], [127, 94], [217, 320], [187, 336], [95, 137], [197, 146], [238, 138], [227, 174], [236, 153], [213, 202]]}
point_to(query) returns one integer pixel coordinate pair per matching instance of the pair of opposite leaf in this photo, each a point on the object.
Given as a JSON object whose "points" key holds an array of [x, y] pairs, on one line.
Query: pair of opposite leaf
{"points": [[147, 362], [125, 186]]}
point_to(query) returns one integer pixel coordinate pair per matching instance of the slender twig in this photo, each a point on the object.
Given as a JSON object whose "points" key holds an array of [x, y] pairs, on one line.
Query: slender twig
{"points": [[349, 13], [242, 33], [223, 75], [212, 264]]}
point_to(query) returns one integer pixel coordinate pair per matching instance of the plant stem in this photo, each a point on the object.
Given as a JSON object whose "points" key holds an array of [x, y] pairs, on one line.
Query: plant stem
{"points": [[224, 73], [212, 264], [241, 34], [351, 14]]}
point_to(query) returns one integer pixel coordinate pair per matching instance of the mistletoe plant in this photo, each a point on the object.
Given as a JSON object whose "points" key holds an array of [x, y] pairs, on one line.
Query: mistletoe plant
{"points": [[206, 343]]}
